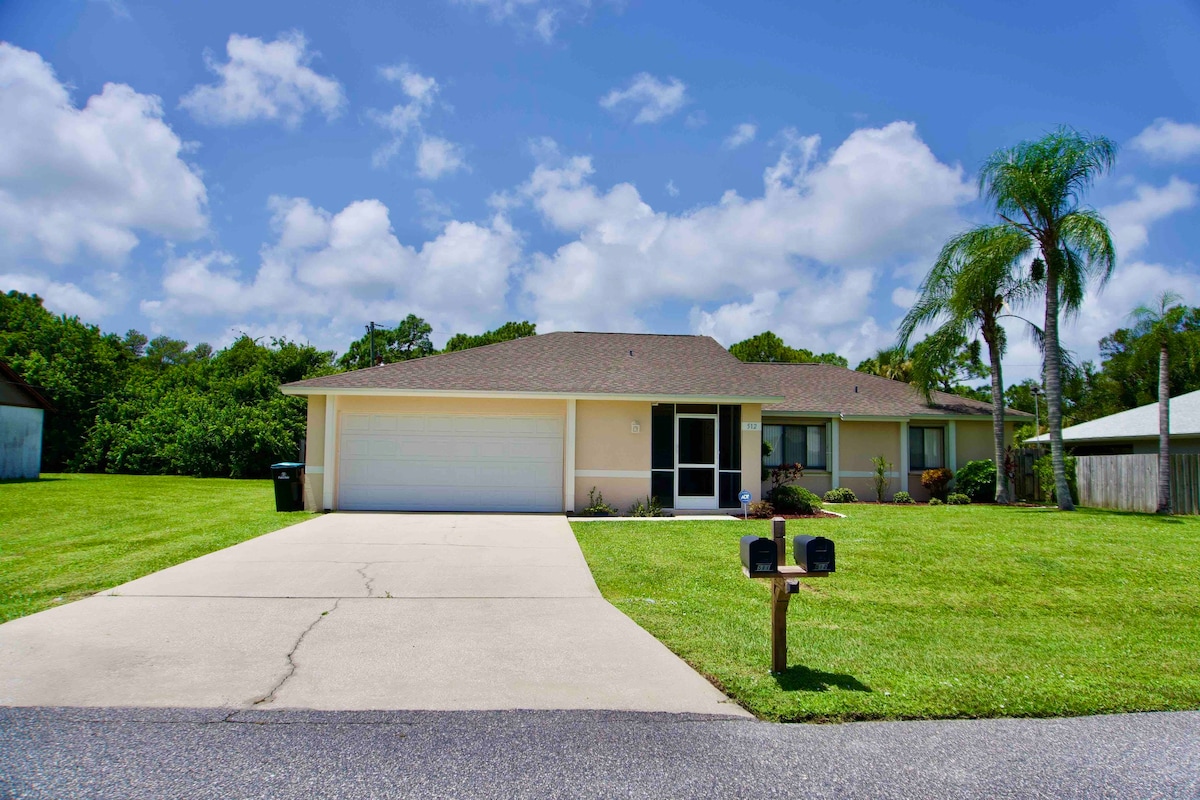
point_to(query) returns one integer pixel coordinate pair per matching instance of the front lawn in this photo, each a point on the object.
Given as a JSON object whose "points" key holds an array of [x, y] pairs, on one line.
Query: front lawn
{"points": [[971, 611], [67, 536]]}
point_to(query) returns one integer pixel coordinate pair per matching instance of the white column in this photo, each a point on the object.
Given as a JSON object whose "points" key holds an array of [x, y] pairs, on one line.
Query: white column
{"points": [[952, 446], [331, 442], [569, 460], [903, 456], [835, 452]]}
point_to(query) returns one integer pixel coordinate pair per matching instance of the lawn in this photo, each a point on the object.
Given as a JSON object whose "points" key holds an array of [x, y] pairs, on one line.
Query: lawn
{"points": [[67, 536], [949, 612]]}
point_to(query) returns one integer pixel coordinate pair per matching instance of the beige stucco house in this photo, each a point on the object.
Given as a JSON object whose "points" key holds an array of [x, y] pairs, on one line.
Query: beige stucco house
{"points": [[534, 424]]}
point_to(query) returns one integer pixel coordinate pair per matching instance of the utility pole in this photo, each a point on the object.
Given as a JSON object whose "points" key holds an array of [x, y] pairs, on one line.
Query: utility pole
{"points": [[371, 338]]}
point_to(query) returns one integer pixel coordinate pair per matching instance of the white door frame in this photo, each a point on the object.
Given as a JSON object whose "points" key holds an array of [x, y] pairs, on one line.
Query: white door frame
{"points": [[693, 502]]}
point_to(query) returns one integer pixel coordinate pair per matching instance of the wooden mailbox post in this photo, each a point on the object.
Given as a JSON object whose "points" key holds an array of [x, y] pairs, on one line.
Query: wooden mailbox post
{"points": [[785, 581]]}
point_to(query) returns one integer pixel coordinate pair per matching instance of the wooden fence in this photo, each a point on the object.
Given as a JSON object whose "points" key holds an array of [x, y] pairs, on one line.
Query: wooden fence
{"points": [[1130, 482]]}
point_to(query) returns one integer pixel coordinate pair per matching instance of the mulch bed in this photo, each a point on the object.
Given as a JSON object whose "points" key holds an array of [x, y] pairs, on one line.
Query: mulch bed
{"points": [[818, 515]]}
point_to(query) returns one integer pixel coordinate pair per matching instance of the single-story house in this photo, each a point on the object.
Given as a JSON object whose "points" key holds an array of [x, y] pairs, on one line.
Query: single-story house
{"points": [[22, 413], [1134, 431], [535, 424]]}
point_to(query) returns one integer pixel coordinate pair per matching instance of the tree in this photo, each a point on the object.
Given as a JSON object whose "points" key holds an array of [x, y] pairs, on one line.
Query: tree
{"points": [[1163, 323], [408, 340], [767, 348], [891, 362], [970, 288], [505, 333], [1037, 188]]}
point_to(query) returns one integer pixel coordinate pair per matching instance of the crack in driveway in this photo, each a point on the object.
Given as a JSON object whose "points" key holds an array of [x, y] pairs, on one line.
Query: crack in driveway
{"points": [[368, 580], [270, 696]]}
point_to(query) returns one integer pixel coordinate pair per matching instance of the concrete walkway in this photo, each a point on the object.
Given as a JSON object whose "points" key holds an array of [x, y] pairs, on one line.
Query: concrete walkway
{"points": [[358, 612]]}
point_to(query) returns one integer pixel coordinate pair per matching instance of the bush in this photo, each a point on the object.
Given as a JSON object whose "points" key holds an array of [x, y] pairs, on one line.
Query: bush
{"points": [[903, 498], [1043, 468], [650, 507], [842, 495], [977, 480], [936, 481], [933, 501], [879, 476], [958, 499], [596, 506], [794, 500], [760, 509]]}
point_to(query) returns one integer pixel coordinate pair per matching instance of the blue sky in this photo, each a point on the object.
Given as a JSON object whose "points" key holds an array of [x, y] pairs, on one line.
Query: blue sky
{"points": [[298, 169]]}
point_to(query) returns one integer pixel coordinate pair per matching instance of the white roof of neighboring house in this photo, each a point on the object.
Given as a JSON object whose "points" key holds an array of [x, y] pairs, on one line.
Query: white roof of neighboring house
{"points": [[1136, 423]]}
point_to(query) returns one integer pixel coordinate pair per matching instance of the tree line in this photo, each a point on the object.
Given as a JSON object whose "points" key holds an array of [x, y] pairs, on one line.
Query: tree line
{"points": [[131, 404]]}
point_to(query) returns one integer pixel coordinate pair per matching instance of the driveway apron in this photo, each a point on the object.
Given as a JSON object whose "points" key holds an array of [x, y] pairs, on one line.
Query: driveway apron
{"points": [[356, 612]]}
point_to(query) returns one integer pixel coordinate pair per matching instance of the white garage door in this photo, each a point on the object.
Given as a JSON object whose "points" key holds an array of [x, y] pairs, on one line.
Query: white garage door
{"points": [[424, 462]]}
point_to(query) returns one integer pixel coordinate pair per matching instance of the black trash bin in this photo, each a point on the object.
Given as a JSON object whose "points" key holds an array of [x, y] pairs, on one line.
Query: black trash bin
{"points": [[288, 477]]}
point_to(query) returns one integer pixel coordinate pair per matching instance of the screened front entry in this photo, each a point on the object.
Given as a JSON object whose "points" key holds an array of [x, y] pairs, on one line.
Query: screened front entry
{"points": [[696, 455], [697, 464]]}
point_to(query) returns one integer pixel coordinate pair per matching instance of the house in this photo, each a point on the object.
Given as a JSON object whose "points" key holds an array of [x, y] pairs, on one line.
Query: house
{"points": [[1134, 431], [22, 412], [534, 424]]}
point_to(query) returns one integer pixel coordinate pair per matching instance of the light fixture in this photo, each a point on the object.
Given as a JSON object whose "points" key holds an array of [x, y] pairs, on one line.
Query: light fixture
{"points": [[635, 427]]}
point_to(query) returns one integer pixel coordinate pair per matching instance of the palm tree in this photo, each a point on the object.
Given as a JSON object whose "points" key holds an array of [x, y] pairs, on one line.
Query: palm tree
{"points": [[1161, 322], [1037, 187], [893, 363], [973, 284]]}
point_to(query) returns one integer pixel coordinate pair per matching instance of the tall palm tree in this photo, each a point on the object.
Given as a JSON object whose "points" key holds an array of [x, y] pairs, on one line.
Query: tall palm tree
{"points": [[893, 363], [1037, 187], [1161, 322], [973, 285]]}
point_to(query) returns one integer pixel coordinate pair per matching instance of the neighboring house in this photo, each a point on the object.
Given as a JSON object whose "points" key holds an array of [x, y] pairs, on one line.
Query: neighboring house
{"points": [[1134, 431], [534, 424], [834, 421], [22, 412]]}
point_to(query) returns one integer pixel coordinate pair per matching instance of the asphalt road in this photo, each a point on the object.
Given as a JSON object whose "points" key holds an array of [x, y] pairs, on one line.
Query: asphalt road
{"points": [[170, 753]]}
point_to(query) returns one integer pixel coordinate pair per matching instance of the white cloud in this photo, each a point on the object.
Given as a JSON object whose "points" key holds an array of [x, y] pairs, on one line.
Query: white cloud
{"points": [[437, 157], [264, 80], [434, 156], [904, 297], [672, 189], [1167, 140], [543, 18], [824, 229], [59, 297], [742, 134], [695, 120], [333, 271], [76, 180], [116, 7], [1129, 221], [655, 100]]}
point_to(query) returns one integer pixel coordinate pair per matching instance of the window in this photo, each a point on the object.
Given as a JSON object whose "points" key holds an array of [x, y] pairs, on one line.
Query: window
{"points": [[791, 444], [925, 450]]}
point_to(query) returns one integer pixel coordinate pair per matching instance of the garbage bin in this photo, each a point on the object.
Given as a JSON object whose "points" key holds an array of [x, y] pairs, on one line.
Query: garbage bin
{"points": [[288, 477]]}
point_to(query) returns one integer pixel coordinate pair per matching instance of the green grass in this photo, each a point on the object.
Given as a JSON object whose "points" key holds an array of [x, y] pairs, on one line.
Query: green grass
{"points": [[951, 612], [67, 536]]}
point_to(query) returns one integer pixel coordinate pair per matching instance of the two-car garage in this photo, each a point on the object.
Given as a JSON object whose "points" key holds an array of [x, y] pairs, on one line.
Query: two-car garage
{"points": [[442, 462]]}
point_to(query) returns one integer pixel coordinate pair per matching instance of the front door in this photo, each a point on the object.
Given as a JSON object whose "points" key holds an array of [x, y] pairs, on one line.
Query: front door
{"points": [[696, 461]]}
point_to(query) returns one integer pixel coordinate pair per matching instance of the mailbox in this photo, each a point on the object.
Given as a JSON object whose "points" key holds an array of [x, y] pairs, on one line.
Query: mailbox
{"points": [[813, 553], [760, 556]]}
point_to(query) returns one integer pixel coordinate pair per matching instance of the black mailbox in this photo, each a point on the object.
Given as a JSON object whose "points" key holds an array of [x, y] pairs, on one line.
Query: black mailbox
{"points": [[760, 556], [814, 553]]}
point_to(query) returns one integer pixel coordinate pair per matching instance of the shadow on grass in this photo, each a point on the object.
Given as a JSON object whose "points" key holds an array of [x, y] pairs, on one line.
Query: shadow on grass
{"points": [[802, 679], [4, 481]]}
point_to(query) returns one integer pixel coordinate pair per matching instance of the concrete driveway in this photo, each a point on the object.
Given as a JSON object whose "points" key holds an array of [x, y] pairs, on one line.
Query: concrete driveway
{"points": [[358, 612]]}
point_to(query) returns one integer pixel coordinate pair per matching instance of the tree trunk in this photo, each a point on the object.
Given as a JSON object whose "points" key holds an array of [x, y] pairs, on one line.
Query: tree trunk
{"points": [[1054, 384], [1003, 491], [1164, 431]]}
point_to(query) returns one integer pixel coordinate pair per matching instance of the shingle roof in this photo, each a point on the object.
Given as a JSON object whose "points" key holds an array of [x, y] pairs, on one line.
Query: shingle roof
{"points": [[1136, 423], [564, 362], [10, 376], [829, 389]]}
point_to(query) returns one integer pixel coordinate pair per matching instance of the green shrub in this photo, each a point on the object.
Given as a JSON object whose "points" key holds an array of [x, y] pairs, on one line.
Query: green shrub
{"points": [[1043, 468], [977, 480], [596, 506], [650, 507], [880, 467], [933, 501], [936, 481], [760, 509], [903, 498], [794, 500], [841, 495], [958, 499]]}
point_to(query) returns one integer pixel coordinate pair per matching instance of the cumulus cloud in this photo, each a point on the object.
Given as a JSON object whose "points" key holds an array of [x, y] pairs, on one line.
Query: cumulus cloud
{"points": [[434, 155], [1129, 221], [742, 134], [335, 270], [1167, 140], [543, 18], [829, 226], [60, 297], [264, 81], [653, 99], [672, 189], [87, 180]]}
